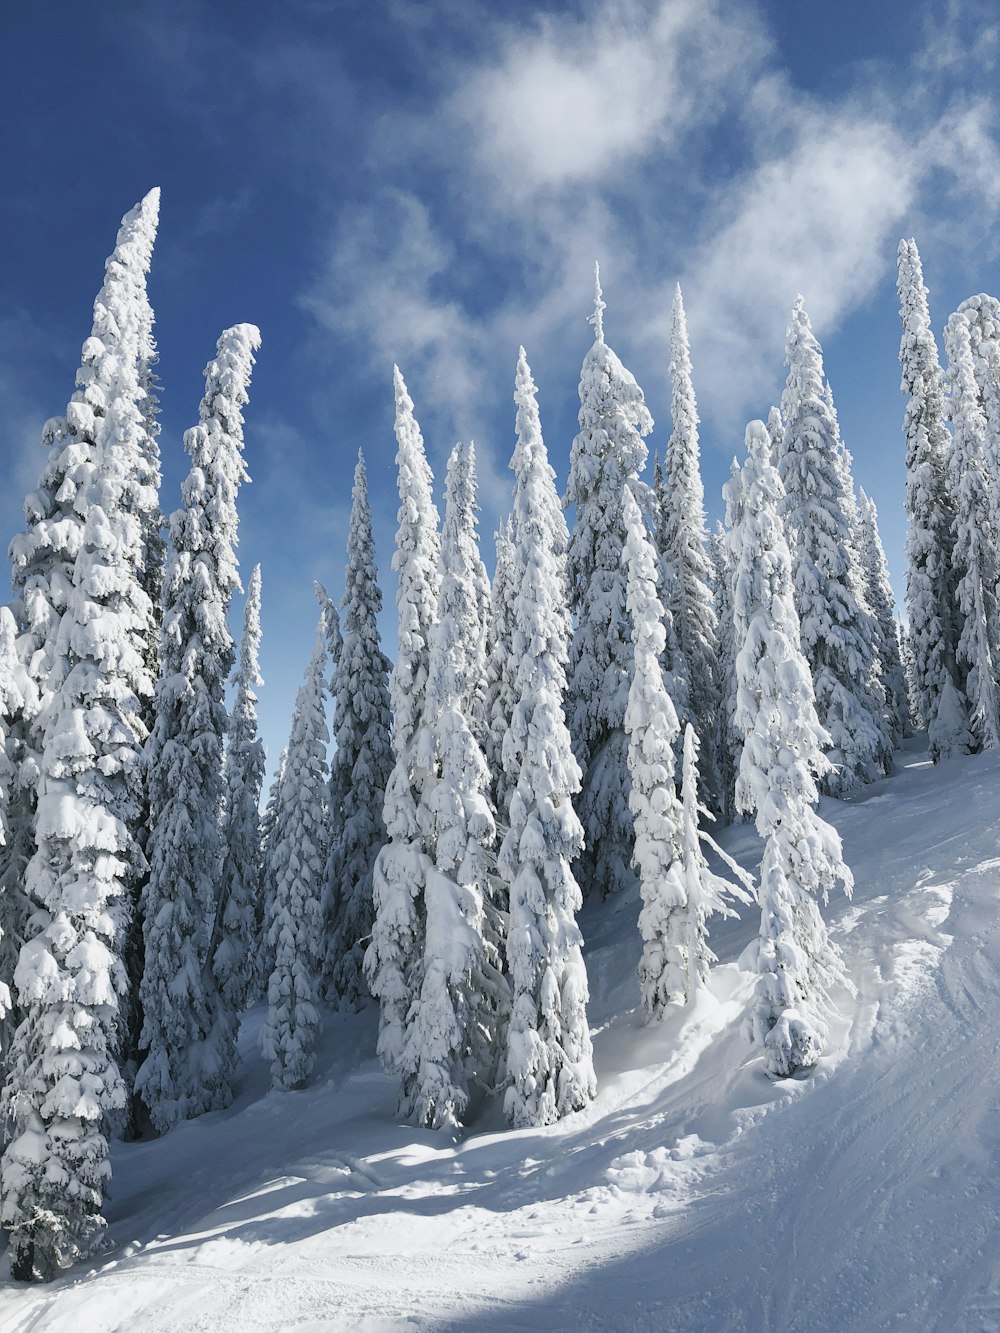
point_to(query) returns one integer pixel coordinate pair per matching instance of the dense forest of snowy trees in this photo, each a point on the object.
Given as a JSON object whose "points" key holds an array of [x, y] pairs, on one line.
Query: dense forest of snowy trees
{"points": [[568, 730]]}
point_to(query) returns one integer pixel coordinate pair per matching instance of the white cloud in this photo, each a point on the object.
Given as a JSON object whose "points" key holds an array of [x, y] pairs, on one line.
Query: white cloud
{"points": [[574, 100]]}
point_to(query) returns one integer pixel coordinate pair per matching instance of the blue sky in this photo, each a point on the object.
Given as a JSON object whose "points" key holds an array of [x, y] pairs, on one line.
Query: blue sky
{"points": [[430, 183]]}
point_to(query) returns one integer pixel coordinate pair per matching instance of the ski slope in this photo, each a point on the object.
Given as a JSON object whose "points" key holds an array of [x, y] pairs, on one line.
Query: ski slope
{"points": [[694, 1194]]}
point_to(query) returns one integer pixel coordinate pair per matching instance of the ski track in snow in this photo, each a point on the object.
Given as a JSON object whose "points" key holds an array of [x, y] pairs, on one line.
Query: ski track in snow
{"points": [[694, 1194]]}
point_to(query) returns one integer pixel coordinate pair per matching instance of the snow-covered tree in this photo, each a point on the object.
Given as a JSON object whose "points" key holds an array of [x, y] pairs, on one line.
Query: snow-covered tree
{"points": [[607, 453], [549, 1065], [683, 541], [775, 430], [678, 890], [361, 764], [836, 627], [500, 669], [930, 574], [115, 368], [265, 910], [394, 960], [297, 861], [783, 755], [878, 594], [728, 741], [234, 941], [89, 618], [16, 701], [974, 551], [188, 1037], [463, 996]]}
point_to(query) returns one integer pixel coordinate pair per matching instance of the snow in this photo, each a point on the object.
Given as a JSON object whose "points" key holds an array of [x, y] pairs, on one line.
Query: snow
{"points": [[694, 1193]]}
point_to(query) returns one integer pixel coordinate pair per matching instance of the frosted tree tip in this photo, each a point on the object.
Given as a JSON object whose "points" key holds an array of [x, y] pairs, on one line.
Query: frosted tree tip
{"points": [[758, 442], [597, 318]]}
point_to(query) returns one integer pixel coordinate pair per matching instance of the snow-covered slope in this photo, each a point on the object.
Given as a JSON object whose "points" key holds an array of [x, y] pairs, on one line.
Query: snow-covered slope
{"points": [[693, 1194]]}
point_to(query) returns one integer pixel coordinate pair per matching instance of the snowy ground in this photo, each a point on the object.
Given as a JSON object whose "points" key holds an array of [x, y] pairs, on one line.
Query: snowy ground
{"points": [[694, 1194]]}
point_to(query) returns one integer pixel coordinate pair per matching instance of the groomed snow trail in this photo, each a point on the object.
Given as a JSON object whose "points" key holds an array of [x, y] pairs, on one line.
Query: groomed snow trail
{"points": [[693, 1195]]}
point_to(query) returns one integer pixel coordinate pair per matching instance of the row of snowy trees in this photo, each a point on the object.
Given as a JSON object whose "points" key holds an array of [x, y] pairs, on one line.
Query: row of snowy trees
{"points": [[564, 731]]}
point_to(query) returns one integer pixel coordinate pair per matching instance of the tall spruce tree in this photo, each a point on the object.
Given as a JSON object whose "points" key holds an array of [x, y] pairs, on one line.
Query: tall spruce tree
{"points": [[394, 960], [974, 551], [89, 617], [462, 999], [361, 764], [678, 890], [500, 670], [549, 1065], [607, 453], [42, 556], [683, 543], [930, 574], [836, 627], [188, 1037], [233, 949], [297, 861], [878, 593], [783, 755], [728, 741]]}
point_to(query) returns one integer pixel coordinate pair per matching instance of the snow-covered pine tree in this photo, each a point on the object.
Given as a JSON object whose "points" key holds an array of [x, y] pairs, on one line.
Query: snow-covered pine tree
{"points": [[652, 727], [607, 453], [64, 1085], [500, 670], [265, 913], [16, 702], [775, 430], [297, 861], [878, 593], [783, 755], [234, 940], [974, 551], [678, 890], [683, 544], [361, 763], [394, 960], [42, 556], [463, 996], [549, 1065], [930, 574], [476, 708], [836, 627], [728, 741], [909, 670], [188, 1037]]}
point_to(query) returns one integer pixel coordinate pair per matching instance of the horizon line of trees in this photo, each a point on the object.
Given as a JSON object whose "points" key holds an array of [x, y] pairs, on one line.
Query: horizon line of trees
{"points": [[564, 730]]}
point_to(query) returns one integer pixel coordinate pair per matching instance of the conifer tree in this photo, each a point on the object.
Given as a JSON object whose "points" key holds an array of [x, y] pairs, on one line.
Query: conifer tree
{"points": [[878, 592], [43, 555], [678, 890], [462, 997], [188, 1037], [728, 741], [297, 861], [500, 669], [974, 551], [835, 625], [795, 962], [607, 453], [16, 699], [683, 543], [930, 577], [234, 942], [89, 615], [394, 960], [265, 911], [361, 764], [549, 1065]]}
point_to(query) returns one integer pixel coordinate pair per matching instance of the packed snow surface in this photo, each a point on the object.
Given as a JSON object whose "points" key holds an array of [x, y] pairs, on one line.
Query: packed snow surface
{"points": [[694, 1193]]}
